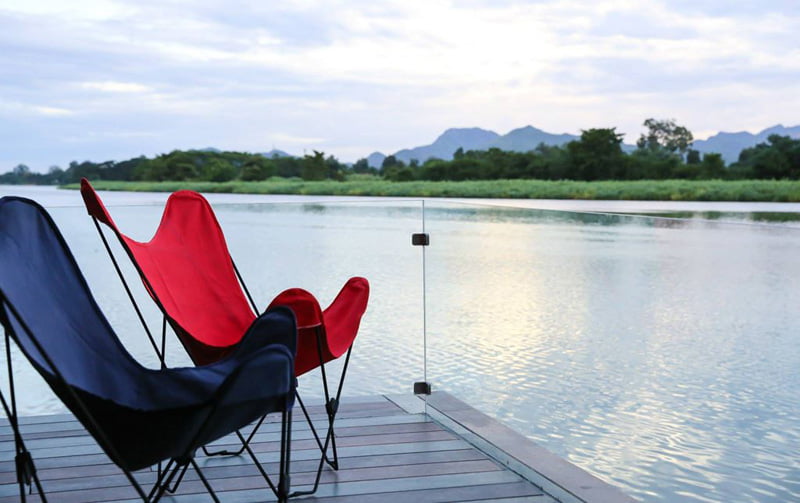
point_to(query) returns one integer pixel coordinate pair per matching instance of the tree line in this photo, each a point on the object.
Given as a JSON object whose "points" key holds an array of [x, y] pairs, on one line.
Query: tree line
{"points": [[179, 165], [662, 152]]}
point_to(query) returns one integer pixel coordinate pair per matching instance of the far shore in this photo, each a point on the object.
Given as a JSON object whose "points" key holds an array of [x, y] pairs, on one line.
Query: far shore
{"points": [[612, 190]]}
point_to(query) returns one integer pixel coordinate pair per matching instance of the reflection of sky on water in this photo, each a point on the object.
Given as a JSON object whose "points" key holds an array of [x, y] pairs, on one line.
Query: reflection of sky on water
{"points": [[661, 357], [658, 353]]}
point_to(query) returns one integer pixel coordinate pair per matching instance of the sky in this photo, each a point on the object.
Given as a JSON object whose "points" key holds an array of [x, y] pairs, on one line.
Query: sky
{"points": [[109, 80]]}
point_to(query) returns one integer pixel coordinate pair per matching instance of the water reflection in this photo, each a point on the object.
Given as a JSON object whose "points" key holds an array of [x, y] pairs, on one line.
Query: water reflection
{"points": [[772, 217], [659, 353], [648, 351]]}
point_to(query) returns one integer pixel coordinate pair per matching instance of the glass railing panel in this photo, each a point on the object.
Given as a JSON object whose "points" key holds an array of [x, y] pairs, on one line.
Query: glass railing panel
{"points": [[660, 354], [311, 244], [318, 245]]}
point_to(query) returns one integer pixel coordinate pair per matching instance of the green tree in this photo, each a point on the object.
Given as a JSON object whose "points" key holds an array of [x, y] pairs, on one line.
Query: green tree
{"points": [[314, 166], [713, 166], [335, 168], [597, 155], [21, 171], [778, 158], [665, 135], [645, 164], [391, 162], [398, 174], [549, 162], [55, 175], [257, 168], [218, 170], [287, 167], [252, 172], [361, 166]]}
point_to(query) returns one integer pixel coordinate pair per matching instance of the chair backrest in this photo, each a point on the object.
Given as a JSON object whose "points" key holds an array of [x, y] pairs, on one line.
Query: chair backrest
{"points": [[187, 254], [43, 288]]}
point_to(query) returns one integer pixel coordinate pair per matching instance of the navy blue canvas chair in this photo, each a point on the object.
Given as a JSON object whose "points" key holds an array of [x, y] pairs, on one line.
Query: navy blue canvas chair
{"points": [[139, 416]]}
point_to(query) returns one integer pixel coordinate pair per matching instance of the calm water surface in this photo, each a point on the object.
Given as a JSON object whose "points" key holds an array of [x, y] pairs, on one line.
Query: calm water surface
{"points": [[660, 354]]}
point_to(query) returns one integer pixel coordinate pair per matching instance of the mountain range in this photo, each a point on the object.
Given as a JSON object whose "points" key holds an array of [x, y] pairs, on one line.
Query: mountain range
{"points": [[528, 138], [730, 144]]}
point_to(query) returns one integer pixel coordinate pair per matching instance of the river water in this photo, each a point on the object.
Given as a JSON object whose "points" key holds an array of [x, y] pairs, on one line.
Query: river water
{"points": [[658, 352]]}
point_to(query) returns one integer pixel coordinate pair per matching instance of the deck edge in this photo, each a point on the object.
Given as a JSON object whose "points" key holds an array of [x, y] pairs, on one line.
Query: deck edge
{"points": [[556, 476]]}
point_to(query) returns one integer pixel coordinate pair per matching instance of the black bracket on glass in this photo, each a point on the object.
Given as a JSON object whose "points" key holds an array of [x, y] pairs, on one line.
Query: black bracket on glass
{"points": [[420, 239], [422, 388]]}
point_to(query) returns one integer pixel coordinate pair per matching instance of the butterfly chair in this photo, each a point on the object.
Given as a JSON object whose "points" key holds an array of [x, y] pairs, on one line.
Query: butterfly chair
{"points": [[188, 271], [138, 416]]}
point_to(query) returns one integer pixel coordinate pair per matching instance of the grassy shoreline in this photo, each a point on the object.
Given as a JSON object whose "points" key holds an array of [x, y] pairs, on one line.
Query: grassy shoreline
{"points": [[642, 190]]}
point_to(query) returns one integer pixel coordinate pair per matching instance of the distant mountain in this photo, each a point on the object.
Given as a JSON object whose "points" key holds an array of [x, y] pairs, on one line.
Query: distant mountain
{"points": [[275, 153], [375, 160], [272, 153], [522, 139], [731, 144], [528, 138], [448, 142]]}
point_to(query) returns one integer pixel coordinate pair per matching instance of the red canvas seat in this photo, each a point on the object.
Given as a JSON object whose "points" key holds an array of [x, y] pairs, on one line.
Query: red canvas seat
{"points": [[188, 271]]}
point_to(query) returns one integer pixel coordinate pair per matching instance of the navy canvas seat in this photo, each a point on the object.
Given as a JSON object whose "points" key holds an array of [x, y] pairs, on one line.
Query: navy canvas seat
{"points": [[139, 416]]}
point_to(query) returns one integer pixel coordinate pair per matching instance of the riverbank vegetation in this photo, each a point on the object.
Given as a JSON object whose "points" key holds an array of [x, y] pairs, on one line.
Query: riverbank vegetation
{"points": [[662, 166], [370, 185]]}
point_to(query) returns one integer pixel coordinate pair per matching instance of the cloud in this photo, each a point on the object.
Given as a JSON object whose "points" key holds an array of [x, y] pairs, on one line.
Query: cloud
{"points": [[343, 74], [283, 138], [746, 9], [116, 87], [51, 111], [90, 10]]}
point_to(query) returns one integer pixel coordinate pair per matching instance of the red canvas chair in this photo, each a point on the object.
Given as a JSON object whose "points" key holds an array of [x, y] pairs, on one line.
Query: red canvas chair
{"points": [[188, 271]]}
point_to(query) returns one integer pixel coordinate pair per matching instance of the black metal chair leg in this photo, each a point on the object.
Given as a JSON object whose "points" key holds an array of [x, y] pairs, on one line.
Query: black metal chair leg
{"points": [[243, 440], [164, 479], [331, 408], [26, 474], [23, 461], [281, 490], [311, 425], [318, 477], [284, 481], [205, 481], [331, 404], [174, 487]]}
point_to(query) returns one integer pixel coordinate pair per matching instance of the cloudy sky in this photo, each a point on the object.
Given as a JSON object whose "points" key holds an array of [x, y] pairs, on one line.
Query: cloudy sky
{"points": [[112, 79]]}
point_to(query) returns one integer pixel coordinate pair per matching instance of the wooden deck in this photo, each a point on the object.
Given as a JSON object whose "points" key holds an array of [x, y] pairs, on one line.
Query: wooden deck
{"points": [[389, 452]]}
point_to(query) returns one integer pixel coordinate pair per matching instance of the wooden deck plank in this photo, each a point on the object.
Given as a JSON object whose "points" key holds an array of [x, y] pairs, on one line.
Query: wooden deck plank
{"points": [[387, 455], [378, 450], [371, 487], [101, 488], [539, 498], [343, 429], [75, 429], [346, 410], [229, 470], [450, 494], [267, 447], [86, 445]]}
